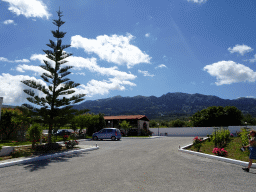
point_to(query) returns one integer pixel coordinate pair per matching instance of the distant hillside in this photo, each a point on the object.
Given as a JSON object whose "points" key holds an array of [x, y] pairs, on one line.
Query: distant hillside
{"points": [[8, 106], [167, 105]]}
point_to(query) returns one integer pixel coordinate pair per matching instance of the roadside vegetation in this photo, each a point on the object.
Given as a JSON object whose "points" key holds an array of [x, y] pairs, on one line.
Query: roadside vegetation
{"points": [[214, 116], [227, 145]]}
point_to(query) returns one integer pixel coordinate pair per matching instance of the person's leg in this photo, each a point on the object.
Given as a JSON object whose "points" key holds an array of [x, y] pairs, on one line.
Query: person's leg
{"points": [[250, 163]]}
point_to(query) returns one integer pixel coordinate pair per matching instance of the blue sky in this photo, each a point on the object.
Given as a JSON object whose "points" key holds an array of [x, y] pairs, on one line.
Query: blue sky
{"points": [[131, 47]]}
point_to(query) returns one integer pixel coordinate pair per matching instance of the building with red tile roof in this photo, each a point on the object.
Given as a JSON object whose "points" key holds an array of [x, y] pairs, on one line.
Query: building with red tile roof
{"points": [[136, 121]]}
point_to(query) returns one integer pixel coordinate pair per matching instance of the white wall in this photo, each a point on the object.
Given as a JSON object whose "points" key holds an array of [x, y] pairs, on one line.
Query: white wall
{"points": [[192, 131]]}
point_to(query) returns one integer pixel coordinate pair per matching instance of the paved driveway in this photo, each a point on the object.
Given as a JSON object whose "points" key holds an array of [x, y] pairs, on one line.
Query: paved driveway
{"points": [[129, 165]]}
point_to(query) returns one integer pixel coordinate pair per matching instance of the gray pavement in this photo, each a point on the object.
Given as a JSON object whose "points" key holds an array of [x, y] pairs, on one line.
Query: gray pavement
{"points": [[129, 165]]}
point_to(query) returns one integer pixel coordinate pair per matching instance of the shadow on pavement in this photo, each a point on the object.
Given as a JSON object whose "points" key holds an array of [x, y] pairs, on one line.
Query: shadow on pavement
{"points": [[41, 164]]}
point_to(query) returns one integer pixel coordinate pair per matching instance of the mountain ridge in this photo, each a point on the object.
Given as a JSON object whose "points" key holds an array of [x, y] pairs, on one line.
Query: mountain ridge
{"points": [[165, 105]]}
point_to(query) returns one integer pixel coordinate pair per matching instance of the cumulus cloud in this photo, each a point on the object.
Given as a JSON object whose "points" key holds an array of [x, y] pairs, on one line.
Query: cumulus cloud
{"points": [[38, 70], [15, 61], [241, 49], [115, 49], [147, 35], [117, 80], [161, 66], [7, 22], [80, 73], [94, 87], [228, 72], [253, 59], [198, 1], [31, 8], [146, 73], [11, 88], [90, 64]]}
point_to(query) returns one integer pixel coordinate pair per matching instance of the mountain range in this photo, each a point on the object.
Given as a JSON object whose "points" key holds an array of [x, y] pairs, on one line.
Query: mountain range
{"points": [[170, 104]]}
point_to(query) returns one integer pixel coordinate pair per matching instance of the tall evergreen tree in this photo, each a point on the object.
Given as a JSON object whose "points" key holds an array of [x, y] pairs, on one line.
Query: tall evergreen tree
{"points": [[54, 109]]}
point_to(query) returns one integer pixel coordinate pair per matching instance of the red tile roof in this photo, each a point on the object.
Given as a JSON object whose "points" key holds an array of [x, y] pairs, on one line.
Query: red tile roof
{"points": [[125, 117]]}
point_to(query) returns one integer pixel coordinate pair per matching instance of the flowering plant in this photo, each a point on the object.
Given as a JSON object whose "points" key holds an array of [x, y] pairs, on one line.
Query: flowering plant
{"points": [[220, 152], [197, 143], [231, 135], [70, 144], [44, 139], [65, 137]]}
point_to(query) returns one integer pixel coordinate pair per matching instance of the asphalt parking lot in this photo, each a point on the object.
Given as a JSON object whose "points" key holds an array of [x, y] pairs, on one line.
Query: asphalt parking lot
{"points": [[129, 165]]}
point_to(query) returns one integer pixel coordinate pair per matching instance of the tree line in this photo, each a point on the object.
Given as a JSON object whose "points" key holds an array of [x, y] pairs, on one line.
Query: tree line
{"points": [[213, 116]]}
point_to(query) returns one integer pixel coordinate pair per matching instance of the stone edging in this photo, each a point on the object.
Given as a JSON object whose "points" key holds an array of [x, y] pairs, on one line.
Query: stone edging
{"points": [[228, 160], [152, 137], [38, 158]]}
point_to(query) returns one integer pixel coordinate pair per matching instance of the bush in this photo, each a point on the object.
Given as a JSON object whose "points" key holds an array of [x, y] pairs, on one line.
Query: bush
{"points": [[44, 138], [34, 133], [197, 143], [146, 132], [220, 152], [222, 137], [71, 144], [132, 132], [244, 136], [48, 147]]}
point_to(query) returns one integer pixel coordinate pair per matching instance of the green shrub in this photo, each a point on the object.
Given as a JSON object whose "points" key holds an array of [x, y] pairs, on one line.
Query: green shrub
{"points": [[197, 143], [48, 147], [243, 136], [221, 138], [34, 133]]}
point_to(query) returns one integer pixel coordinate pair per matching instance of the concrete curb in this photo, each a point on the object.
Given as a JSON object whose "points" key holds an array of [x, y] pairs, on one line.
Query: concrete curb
{"points": [[153, 137], [228, 160], [38, 158]]}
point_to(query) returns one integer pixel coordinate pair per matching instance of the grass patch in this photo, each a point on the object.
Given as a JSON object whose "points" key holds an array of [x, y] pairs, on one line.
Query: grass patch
{"points": [[14, 143], [232, 147], [27, 151]]}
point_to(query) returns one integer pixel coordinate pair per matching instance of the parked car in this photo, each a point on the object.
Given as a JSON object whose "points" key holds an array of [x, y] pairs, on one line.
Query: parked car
{"points": [[107, 133], [62, 132]]}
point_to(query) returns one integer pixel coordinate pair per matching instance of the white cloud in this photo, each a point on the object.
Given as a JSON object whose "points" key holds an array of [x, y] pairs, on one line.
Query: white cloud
{"points": [[3, 59], [253, 97], [228, 72], [253, 59], [241, 49], [7, 22], [15, 61], [146, 73], [94, 87], [90, 64], [147, 35], [116, 49], [80, 74], [161, 66], [118, 80], [36, 69], [11, 88], [198, 1], [31, 8]]}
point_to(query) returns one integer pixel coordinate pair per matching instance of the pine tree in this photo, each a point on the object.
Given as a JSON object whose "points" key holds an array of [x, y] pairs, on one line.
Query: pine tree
{"points": [[54, 109]]}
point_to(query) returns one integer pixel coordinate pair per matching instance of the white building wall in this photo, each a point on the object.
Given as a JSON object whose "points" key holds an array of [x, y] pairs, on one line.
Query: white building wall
{"points": [[141, 122], [192, 131]]}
